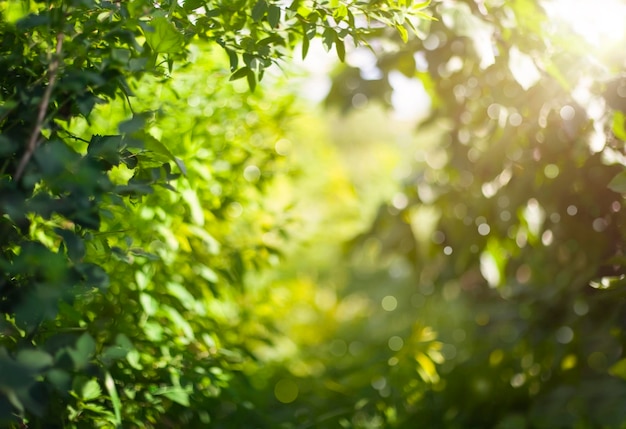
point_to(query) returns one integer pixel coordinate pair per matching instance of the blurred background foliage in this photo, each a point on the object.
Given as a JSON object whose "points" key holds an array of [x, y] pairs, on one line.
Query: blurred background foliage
{"points": [[185, 251]]}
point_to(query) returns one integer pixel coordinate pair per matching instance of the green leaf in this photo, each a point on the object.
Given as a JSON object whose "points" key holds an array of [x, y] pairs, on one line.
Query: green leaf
{"points": [[241, 73], [83, 351], [183, 295], [35, 360], [157, 146], [191, 5], [93, 275], [341, 48], [165, 37], [74, 244], [340, 13], [90, 390], [618, 183], [619, 125], [305, 46], [328, 36], [60, 379], [175, 393], [140, 252], [178, 321], [119, 350], [233, 59], [259, 10], [13, 375], [149, 304], [136, 123], [251, 78], [273, 16], [404, 34]]}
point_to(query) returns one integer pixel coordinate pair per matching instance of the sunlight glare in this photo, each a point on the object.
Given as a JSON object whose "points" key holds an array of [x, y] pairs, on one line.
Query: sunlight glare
{"points": [[598, 22]]}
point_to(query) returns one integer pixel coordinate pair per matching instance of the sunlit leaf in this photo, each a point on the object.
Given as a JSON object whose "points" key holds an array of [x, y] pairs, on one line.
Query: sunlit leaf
{"points": [[165, 37], [90, 390], [619, 125]]}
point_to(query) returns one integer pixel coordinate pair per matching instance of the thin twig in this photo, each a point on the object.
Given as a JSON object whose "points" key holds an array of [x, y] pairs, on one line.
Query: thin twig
{"points": [[53, 69]]}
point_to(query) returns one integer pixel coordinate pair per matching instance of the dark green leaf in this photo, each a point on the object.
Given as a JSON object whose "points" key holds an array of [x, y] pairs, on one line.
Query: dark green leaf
{"points": [[273, 16], [305, 47], [33, 359], [239, 74], [233, 59], [259, 10], [74, 244], [251, 80], [341, 49], [136, 123]]}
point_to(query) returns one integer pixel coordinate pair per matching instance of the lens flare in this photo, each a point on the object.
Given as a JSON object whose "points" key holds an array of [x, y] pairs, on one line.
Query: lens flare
{"points": [[599, 22]]}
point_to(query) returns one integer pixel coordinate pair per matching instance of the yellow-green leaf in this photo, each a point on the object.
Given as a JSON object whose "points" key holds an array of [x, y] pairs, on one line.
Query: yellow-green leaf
{"points": [[165, 39]]}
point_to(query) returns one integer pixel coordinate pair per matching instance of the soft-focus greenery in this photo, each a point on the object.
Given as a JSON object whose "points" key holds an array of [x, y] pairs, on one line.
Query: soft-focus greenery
{"points": [[511, 220], [186, 244]]}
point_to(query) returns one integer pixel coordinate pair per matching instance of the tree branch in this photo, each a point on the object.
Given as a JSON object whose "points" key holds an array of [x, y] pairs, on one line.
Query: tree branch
{"points": [[53, 69]]}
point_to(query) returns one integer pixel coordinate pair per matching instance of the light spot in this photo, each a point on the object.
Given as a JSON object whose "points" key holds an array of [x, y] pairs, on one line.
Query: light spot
{"points": [[551, 171], [286, 391], [484, 229], [399, 201], [438, 237], [598, 361], [252, 173], [234, 210], [567, 113], [599, 224], [564, 334], [518, 380], [389, 303], [395, 343], [523, 274], [569, 362], [338, 348], [283, 147], [515, 119], [581, 307], [547, 237], [359, 100], [379, 383]]}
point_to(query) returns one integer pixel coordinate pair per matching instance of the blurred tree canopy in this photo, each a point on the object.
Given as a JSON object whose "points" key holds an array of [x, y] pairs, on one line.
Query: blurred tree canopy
{"points": [[512, 219], [172, 245]]}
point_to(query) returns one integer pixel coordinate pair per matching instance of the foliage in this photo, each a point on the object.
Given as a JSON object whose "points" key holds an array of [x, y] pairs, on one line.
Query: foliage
{"points": [[515, 215], [146, 203], [120, 280]]}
